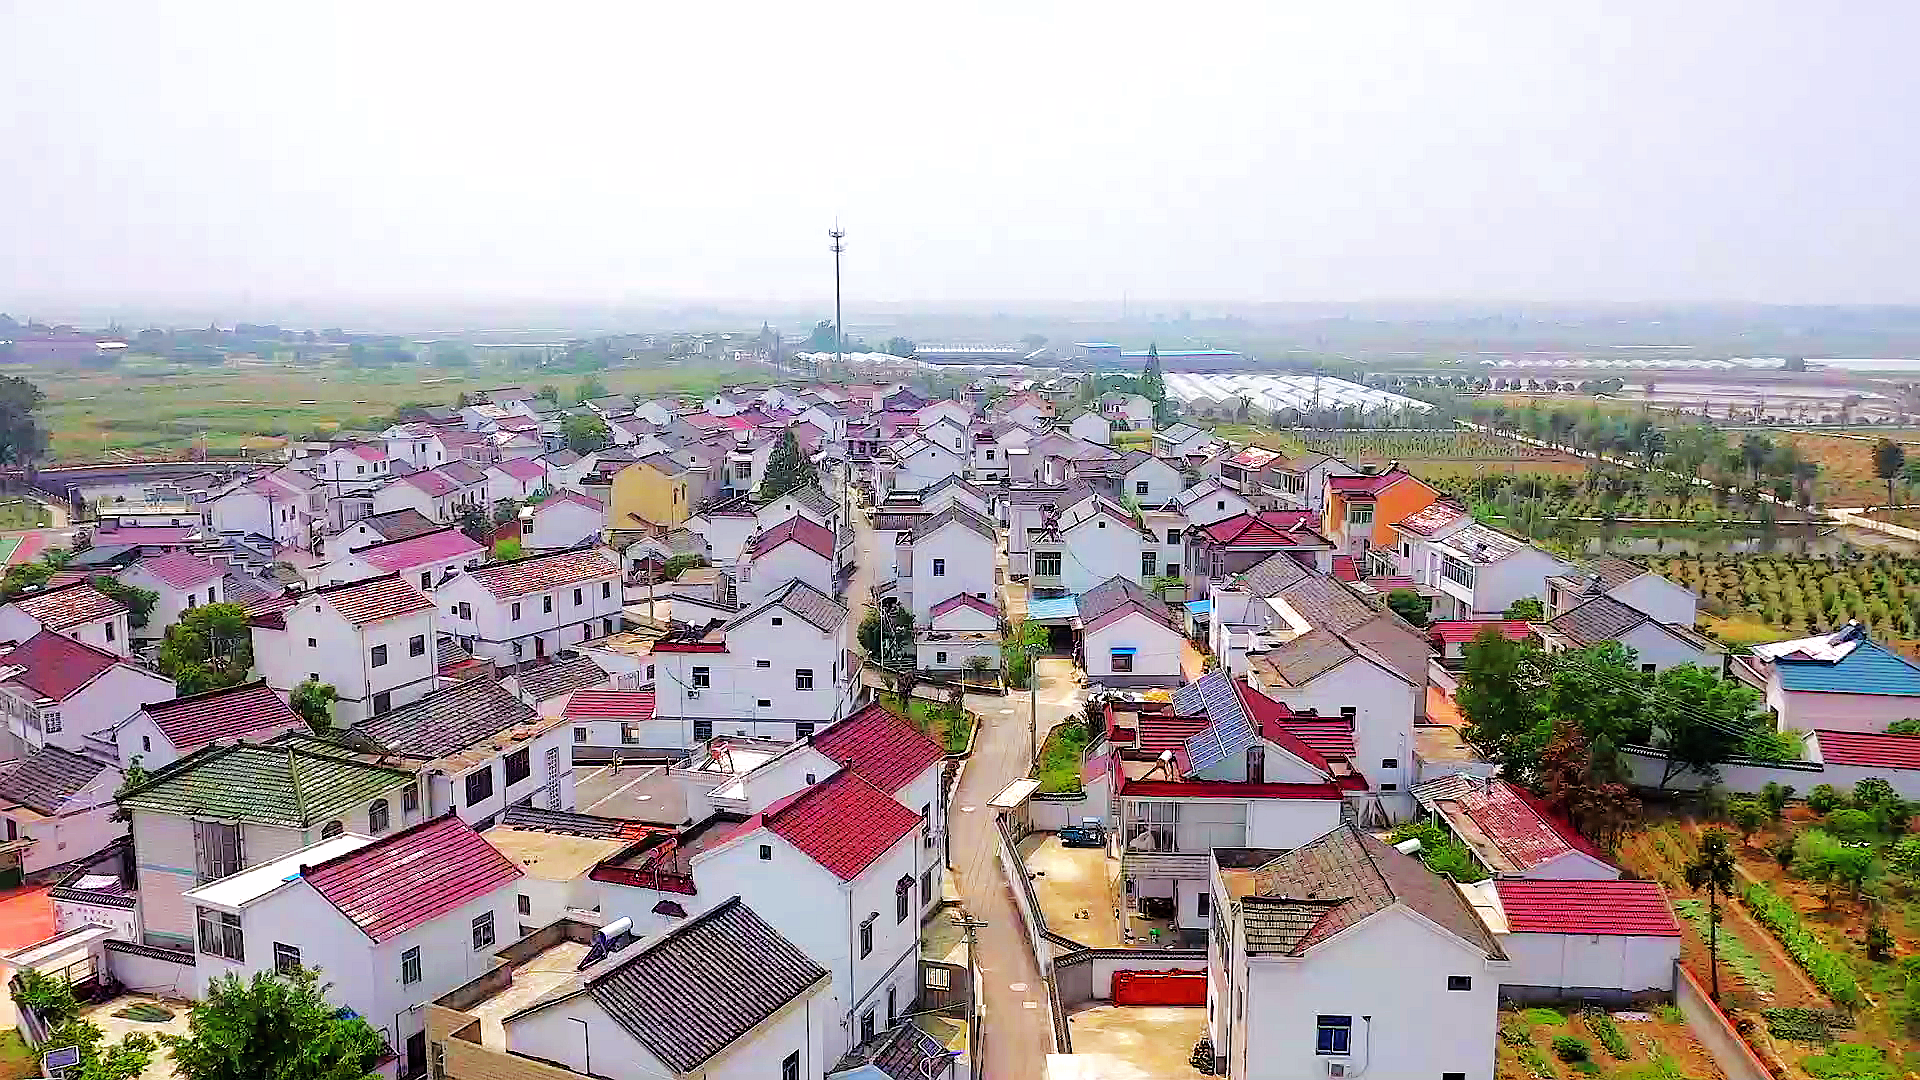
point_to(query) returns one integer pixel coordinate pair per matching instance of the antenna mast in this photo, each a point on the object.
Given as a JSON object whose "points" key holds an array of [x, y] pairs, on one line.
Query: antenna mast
{"points": [[838, 235]]}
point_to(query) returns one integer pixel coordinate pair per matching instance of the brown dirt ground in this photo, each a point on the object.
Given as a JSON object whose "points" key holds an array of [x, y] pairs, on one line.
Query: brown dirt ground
{"points": [[1670, 1038]]}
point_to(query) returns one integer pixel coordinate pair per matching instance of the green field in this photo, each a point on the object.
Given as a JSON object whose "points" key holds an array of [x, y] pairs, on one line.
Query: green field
{"points": [[163, 410], [18, 514]]}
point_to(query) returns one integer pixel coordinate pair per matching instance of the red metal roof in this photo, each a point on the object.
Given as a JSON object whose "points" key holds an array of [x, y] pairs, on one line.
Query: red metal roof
{"points": [[543, 572], [432, 481], [1200, 789], [362, 602], [1274, 528], [1343, 568], [1372, 484], [401, 881], [801, 530], [180, 569], [54, 666], [626, 706], [396, 555], [1524, 829], [1872, 749], [843, 823], [68, 606], [1333, 737], [960, 600], [1167, 731], [1460, 631], [233, 712], [1632, 908], [881, 746]]}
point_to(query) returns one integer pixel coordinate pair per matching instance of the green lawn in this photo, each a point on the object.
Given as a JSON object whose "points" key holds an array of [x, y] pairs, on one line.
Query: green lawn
{"points": [[1060, 757], [17, 1061], [950, 726], [22, 514]]}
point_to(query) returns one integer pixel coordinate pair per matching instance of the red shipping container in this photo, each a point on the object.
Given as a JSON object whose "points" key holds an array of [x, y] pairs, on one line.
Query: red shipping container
{"points": [[1159, 988]]}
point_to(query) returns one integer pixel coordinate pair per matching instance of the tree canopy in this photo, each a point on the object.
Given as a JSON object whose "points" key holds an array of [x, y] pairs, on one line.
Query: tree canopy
{"points": [[313, 700], [274, 1027], [21, 438], [787, 469], [209, 648], [588, 388], [139, 602], [585, 434]]}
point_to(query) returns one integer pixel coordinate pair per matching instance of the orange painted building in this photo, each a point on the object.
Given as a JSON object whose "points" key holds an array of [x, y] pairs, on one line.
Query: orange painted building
{"points": [[1366, 507]]}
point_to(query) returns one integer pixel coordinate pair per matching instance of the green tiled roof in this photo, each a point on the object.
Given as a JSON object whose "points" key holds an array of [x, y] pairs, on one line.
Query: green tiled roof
{"points": [[263, 785]]}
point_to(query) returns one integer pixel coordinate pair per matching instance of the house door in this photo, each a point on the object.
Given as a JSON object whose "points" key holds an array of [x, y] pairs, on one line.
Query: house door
{"points": [[417, 1054], [539, 647]]}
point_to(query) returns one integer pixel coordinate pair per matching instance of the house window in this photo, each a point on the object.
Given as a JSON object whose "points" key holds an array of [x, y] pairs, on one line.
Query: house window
{"points": [[1453, 1076], [546, 605], [579, 734], [466, 610], [519, 766], [1349, 713], [866, 1026], [378, 813], [577, 598], [523, 904], [516, 612], [50, 720], [939, 568], [702, 678], [702, 730], [426, 580], [109, 631], [146, 744], [790, 1067], [1139, 487], [479, 785], [763, 663], [332, 829], [938, 978], [482, 930], [382, 702], [312, 643], [1459, 982], [902, 898], [926, 887], [1157, 822], [417, 645], [1457, 572], [1360, 514], [216, 851], [866, 937], [606, 627], [939, 659], [766, 852], [893, 1004], [1334, 1035], [1121, 660], [1645, 668], [220, 934], [409, 799], [803, 730], [630, 734], [1046, 564], [803, 679], [606, 590], [1173, 536], [1256, 762], [379, 656], [286, 959], [764, 703], [1149, 563], [410, 966]]}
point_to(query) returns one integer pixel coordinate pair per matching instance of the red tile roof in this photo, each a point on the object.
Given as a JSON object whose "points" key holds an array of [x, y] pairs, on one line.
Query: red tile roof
{"points": [[1372, 484], [1636, 908], [1522, 827], [369, 453], [543, 572], [53, 666], [881, 746], [573, 497], [180, 569], [1332, 737], [801, 530], [396, 555], [362, 602], [626, 706], [68, 606], [1870, 749], [960, 600], [148, 535], [1166, 731], [521, 468], [1270, 529], [1460, 631], [401, 881], [1270, 719], [431, 481], [249, 710], [844, 822]]}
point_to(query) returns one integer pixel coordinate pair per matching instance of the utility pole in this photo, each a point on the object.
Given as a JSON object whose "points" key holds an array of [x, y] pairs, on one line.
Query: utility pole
{"points": [[839, 236], [969, 925], [1033, 705]]}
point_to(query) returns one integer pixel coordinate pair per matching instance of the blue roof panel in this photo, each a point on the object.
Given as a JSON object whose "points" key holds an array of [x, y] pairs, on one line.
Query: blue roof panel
{"points": [[1868, 669], [1058, 607]]}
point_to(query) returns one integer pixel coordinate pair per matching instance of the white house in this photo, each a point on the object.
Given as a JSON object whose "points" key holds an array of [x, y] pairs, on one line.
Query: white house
{"points": [[959, 628], [1635, 586], [722, 995], [726, 528], [1483, 571], [1511, 832], [1333, 674], [516, 478], [1092, 427], [1136, 475], [1179, 440], [372, 641], [56, 807], [955, 491], [1031, 511], [1346, 952], [1100, 542], [953, 412], [526, 609], [918, 463], [394, 922], [563, 520], [1843, 681], [1128, 637], [165, 730], [229, 806], [417, 444], [282, 504], [1130, 411], [426, 559], [1659, 646], [429, 491], [477, 749], [779, 670], [794, 549], [56, 691], [77, 610], [1585, 940], [951, 553], [182, 580], [1210, 501], [349, 463], [382, 528]]}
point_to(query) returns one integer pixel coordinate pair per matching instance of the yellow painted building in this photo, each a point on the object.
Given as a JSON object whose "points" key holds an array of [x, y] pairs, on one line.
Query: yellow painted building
{"points": [[653, 491]]}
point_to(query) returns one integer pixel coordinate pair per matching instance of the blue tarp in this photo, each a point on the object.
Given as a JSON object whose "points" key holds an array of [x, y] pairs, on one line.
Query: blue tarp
{"points": [[1123, 650], [1200, 607], [1056, 609]]}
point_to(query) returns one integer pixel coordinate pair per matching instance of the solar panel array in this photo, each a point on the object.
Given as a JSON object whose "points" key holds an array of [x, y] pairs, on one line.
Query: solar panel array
{"points": [[1228, 730]]}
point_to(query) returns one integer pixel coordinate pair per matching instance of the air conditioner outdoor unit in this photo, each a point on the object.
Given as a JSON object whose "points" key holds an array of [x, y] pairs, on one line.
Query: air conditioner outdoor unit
{"points": [[1337, 1068], [692, 693]]}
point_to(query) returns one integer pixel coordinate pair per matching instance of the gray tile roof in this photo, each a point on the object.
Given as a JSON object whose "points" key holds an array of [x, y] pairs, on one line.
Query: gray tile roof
{"points": [[803, 600], [43, 779], [244, 590], [400, 524], [1615, 571], [1115, 592], [958, 514], [1325, 603], [1305, 658], [1482, 544], [1063, 495], [446, 721], [691, 993], [1599, 618], [561, 677], [1273, 574]]}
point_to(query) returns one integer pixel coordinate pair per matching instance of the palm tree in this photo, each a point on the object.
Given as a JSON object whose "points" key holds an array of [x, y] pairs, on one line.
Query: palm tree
{"points": [[1712, 869]]}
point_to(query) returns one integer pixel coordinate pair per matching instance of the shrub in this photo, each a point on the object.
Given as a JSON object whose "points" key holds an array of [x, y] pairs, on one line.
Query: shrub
{"points": [[51, 998], [1601, 1024], [1586, 1068], [1773, 799], [1849, 1061], [1829, 970], [1852, 824], [1454, 860], [1535, 1063], [1909, 726], [1825, 799], [1783, 852], [1805, 1025], [1568, 1048], [1905, 856], [1516, 1035], [1542, 1018]]}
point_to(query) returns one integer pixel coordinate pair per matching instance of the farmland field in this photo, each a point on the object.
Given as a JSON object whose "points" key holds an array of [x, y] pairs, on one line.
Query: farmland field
{"points": [[1805, 596], [156, 410], [1557, 491], [1651, 1039], [1356, 447], [16, 514]]}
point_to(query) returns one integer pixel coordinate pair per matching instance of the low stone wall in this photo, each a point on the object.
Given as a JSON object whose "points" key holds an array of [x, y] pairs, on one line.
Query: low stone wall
{"points": [[1715, 1032], [1087, 975], [1048, 813]]}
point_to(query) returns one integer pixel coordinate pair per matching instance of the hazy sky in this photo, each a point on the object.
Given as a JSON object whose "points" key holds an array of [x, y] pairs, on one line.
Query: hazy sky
{"points": [[1022, 152]]}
